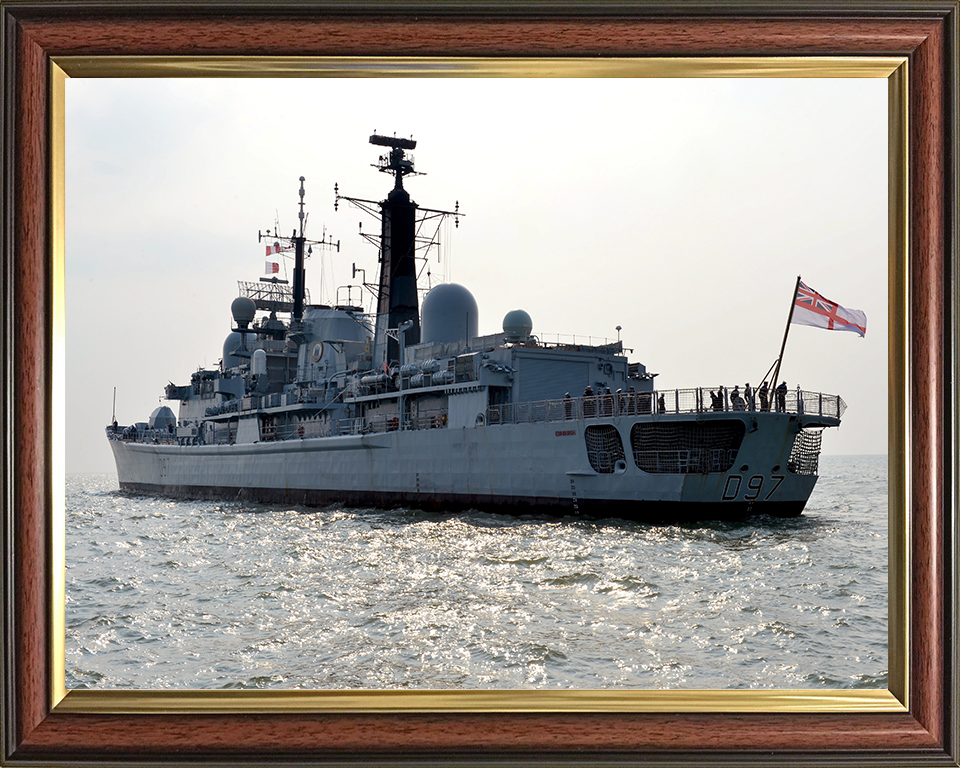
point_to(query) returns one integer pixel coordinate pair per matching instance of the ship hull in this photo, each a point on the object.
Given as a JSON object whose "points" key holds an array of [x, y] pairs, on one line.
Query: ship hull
{"points": [[648, 511], [527, 468]]}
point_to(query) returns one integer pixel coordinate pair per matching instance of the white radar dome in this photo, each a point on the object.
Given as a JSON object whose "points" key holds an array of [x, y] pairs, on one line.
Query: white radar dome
{"points": [[244, 310], [449, 313], [518, 325]]}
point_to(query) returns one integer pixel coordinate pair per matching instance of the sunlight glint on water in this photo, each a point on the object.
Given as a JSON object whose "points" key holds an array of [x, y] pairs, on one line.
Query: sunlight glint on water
{"points": [[175, 594]]}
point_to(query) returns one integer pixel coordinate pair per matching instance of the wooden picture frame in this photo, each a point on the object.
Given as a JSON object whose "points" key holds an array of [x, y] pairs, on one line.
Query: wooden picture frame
{"points": [[918, 722]]}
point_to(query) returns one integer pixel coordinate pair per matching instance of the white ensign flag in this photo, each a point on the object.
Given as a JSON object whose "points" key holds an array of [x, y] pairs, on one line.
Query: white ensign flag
{"points": [[810, 308]]}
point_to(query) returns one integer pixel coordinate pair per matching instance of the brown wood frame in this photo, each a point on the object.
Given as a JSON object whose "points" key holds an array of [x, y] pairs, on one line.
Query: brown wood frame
{"points": [[925, 32]]}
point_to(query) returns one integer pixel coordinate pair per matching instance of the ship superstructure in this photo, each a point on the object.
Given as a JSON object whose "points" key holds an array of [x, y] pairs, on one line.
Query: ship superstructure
{"points": [[409, 405]]}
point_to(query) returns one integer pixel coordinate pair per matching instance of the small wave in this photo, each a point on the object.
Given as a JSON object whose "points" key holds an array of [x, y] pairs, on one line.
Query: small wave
{"points": [[488, 559], [571, 580], [265, 681]]}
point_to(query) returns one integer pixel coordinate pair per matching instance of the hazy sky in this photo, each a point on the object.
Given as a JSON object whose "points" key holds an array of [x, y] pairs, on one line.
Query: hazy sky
{"points": [[681, 209]]}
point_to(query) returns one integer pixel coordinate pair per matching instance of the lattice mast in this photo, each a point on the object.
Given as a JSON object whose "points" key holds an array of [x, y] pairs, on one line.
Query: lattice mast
{"points": [[298, 241]]}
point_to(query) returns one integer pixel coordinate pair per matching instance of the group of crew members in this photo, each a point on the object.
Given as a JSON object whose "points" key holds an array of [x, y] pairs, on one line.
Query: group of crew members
{"points": [[603, 402], [748, 400]]}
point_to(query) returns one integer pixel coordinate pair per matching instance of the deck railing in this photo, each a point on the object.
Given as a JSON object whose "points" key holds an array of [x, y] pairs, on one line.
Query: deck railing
{"points": [[226, 434], [667, 401], [700, 400], [133, 434]]}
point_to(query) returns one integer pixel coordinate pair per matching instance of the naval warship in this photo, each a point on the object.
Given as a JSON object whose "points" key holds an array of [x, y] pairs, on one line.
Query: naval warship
{"points": [[408, 406]]}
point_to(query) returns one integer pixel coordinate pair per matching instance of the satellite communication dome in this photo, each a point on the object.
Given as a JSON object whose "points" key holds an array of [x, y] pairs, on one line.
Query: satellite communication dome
{"points": [[162, 418], [449, 313], [244, 310], [231, 344], [518, 325]]}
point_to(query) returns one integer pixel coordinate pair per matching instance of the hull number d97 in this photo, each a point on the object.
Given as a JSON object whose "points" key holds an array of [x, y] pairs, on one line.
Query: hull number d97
{"points": [[752, 489]]}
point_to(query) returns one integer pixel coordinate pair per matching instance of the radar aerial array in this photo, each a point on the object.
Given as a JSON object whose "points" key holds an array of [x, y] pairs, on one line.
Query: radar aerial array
{"points": [[270, 294]]}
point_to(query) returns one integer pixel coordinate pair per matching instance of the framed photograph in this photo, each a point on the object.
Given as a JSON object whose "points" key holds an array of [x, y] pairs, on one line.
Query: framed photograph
{"points": [[44, 721], [489, 602]]}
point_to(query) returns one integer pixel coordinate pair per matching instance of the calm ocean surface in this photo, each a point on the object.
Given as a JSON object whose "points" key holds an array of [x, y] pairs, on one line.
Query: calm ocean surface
{"points": [[183, 594]]}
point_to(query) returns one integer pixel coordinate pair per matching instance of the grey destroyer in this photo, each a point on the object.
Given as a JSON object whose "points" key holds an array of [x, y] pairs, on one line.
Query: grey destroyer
{"points": [[407, 405]]}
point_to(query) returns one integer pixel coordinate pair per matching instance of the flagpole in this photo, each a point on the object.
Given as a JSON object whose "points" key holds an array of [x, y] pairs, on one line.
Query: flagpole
{"points": [[793, 303]]}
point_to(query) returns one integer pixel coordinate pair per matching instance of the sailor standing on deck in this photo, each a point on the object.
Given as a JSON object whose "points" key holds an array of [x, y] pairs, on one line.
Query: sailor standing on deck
{"points": [[764, 402], [589, 403], [736, 402], [782, 397]]}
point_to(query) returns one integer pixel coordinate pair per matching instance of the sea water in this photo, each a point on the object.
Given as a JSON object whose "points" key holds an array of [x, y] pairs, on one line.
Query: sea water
{"points": [[184, 594]]}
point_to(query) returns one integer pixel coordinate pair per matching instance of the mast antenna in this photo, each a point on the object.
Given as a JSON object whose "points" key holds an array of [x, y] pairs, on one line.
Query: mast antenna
{"points": [[303, 218], [297, 241]]}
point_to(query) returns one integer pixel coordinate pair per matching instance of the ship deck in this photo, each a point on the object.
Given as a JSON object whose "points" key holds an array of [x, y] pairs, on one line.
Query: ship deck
{"points": [[815, 409]]}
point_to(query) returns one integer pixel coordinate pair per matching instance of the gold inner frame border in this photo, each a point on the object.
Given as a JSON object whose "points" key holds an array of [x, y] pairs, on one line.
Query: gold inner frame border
{"points": [[893, 699]]}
